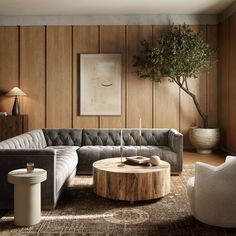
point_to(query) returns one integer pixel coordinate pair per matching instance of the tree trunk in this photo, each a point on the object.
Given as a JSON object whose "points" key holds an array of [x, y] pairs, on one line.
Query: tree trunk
{"points": [[197, 105]]}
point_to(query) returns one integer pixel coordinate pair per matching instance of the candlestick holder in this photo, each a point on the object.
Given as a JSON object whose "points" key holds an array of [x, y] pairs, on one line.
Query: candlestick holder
{"points": [[140, 142], [121, 157]]}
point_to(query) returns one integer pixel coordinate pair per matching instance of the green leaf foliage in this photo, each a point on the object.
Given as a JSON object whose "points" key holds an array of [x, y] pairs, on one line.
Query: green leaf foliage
{"points": [[181, 53]]}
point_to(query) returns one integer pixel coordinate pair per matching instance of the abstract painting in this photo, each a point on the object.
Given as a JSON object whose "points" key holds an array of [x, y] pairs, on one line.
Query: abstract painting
{"points": [[100, 84]]}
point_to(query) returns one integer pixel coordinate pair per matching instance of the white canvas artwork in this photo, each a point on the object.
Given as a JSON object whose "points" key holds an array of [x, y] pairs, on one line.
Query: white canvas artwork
{"points": [[100, 84]]}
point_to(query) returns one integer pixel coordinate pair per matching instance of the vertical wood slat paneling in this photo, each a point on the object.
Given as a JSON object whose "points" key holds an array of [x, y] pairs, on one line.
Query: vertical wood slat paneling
{"points": [[165, 96], [188, 113], [32, 74], [85, 40], [9, 72], [143, 98], [139, 91], [59, 77], [112, 40], [232, 85], [227, 83], [223, 71], [211, 78]]}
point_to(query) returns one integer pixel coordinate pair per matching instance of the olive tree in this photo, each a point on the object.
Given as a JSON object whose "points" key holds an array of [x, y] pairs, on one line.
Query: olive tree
{"points": [[181, 55]]}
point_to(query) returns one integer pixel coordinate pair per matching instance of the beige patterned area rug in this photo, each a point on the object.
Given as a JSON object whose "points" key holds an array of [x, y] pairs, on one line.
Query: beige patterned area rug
{"points": [[81, 212]]}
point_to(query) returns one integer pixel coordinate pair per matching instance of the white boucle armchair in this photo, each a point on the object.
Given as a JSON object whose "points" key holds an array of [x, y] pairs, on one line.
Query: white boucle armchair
{"points": [[212, 193]]}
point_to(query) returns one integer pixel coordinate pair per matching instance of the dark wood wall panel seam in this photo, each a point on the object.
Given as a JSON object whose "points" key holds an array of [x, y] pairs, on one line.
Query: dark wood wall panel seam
{"points": [[19, 83], [99, 51], [228, 67], [153, 86], [207, 75], [72, 74], [46, 75], [126, 76]]}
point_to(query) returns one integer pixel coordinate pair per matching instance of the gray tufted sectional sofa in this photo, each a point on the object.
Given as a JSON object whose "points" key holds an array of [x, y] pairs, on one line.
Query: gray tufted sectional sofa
{"points": [[63, 152]]}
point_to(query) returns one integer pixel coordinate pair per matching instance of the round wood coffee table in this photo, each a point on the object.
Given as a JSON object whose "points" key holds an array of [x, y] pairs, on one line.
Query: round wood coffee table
{"points": [[130, 182]]}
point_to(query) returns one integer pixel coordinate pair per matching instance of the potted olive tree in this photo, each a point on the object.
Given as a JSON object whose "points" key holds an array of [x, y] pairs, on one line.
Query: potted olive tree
{"points": [[181, 55]]}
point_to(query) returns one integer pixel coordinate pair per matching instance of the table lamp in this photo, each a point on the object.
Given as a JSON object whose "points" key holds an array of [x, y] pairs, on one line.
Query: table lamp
{"points": [[16, 92]]}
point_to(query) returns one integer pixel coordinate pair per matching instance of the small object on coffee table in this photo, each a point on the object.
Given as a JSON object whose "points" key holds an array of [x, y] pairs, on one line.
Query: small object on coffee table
{"points": [[155, 160], [30, 167], [121, 157], [138, 159]]}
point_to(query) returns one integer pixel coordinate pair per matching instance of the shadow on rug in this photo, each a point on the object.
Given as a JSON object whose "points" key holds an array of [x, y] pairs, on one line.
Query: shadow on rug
{"points": [[81, 212]]}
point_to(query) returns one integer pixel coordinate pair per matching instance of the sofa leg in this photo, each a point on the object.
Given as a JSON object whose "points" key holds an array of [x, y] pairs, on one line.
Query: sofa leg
{"points": [[48, 207]]}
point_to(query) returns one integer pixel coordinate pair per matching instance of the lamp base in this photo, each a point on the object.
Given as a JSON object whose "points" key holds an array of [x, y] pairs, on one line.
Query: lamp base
{"points": [[16, 108]]}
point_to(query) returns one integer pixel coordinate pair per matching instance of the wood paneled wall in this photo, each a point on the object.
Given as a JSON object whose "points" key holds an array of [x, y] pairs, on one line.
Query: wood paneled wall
{"points": [[227, 83], [9, 65], [85, 40], [44, 62], [139, 91], [59, 77], [32, 74]]}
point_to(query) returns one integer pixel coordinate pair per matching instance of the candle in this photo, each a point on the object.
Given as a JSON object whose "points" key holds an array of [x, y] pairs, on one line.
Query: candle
{"points": [[140, 125], [121, 138]]}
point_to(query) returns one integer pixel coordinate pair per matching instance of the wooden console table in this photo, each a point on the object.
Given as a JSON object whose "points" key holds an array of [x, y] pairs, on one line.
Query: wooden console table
{"points": [[130, 182], [11, 126]]}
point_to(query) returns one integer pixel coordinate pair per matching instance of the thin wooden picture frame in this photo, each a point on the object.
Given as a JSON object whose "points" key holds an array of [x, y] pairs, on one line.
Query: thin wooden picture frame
{"points": [[100, 84]]}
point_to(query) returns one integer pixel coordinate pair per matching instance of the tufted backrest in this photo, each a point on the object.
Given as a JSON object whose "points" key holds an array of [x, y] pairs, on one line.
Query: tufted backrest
{"points": [[63, 137], [112, 137], [31, 140], [101, 137], [38, 139]]}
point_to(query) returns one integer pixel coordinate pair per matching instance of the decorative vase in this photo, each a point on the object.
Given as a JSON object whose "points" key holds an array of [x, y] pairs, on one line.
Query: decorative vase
{"points": [[204, 139]]}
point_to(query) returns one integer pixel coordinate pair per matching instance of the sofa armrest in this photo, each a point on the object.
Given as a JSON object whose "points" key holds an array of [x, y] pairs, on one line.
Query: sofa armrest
{"points": [[205, 177], [11, 159], [190, 192], [26, 152], [230, 158], [175, 139], [203, 170], [210, 175]]}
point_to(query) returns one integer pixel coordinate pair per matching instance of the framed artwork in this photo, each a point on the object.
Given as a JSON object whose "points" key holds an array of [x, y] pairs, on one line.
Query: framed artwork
{"points": [[100, 84]]}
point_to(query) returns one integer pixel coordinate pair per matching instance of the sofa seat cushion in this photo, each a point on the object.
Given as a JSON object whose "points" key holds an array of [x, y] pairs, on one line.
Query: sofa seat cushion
{"points": [[169, 156], [66, 162], [164, 152], [63, 147], [89, 154]]}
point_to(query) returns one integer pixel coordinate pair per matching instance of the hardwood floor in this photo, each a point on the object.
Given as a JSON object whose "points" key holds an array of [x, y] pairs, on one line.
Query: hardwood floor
{"points": [[216, 158]]}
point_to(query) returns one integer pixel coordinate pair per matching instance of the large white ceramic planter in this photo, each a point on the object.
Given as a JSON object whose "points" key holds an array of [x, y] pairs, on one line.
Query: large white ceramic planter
{"points": [[204, 139]]}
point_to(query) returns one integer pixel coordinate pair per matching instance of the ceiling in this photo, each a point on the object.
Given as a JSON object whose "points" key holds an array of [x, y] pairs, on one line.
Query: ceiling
{"points": [[111, 7]]}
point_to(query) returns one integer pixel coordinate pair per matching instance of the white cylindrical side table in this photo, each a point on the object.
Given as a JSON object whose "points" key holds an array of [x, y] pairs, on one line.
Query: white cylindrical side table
{"points": [[27, 195]]}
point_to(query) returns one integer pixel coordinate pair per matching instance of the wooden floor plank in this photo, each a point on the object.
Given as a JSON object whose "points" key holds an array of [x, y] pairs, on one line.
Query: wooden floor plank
{"points": [[216, 158]]}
